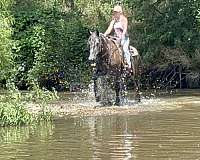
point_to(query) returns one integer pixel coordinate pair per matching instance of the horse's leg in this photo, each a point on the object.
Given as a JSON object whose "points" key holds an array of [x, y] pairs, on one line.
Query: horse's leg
{"points": [[96, 94], [137, 90], [117, 91], [123, 90], [96, 90]]}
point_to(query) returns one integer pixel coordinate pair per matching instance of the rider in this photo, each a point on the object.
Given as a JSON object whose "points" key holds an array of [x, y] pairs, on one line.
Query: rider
{"points": [[120, 24]]}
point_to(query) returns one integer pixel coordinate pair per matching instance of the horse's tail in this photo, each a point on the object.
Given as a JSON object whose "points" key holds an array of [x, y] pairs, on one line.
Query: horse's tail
{"points": [[136, 62]]}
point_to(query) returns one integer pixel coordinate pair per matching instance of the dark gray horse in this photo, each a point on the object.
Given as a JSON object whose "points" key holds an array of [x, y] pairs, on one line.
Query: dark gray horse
{"points": [[108, 61]]}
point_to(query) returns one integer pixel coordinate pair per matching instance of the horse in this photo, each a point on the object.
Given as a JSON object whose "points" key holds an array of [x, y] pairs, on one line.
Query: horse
{"points": [[107, 59]]}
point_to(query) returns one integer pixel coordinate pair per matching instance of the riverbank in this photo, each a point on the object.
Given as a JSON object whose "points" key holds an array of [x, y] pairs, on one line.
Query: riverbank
{"points": [[171, 76], [13, 106]]}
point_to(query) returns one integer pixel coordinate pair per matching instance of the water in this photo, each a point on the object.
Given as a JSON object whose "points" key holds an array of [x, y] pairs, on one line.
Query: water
{"points": [[165, 127]]}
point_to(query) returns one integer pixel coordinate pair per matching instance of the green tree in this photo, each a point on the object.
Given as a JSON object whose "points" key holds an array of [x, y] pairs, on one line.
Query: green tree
{"points": [[5, 39]]}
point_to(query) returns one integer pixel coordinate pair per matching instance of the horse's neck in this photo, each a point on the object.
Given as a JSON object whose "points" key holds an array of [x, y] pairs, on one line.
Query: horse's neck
{"points": [[107, 46], [104, 45]]}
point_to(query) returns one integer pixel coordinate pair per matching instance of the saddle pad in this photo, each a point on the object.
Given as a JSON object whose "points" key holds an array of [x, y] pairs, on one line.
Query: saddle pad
{"points": [[133, 51]]}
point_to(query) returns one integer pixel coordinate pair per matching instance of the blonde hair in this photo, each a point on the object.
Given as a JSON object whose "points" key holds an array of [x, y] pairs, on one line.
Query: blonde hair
{"points": [[118, 8]]}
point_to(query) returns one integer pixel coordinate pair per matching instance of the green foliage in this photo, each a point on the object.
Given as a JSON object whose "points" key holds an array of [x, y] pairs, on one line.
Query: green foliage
{"points": [[167, 23], [39, 39], [14, 114], [47, 42], [40, 96], [5, 39], [13, 106], [96, 14], [12, 110]]}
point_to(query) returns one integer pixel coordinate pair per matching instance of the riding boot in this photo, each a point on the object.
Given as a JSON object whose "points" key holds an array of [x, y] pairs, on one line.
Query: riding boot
{"points": [[128, 71]]}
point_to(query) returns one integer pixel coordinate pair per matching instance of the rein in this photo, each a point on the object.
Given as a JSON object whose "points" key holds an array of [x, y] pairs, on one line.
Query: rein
{"points": [[107, 45], [101, 47]]}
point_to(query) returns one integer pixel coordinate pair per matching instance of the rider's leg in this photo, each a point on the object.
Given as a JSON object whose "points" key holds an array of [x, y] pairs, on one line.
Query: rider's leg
{"points": [[125, 45]]}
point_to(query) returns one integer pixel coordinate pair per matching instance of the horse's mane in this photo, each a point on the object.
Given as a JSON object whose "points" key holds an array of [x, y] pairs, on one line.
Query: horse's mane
{"points": [[104, 40], [108, 41]]}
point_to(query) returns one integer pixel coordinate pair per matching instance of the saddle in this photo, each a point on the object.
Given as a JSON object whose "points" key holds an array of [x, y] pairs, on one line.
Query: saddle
{"points": [[133, 51]]}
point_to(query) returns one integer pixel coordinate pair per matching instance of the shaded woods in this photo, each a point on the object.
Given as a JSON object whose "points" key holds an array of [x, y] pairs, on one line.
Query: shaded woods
{"points": [[46, 41]]}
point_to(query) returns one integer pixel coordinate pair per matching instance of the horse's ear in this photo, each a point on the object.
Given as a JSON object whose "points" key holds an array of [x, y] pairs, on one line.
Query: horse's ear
{"points": [[97, 33], [89, 32]]}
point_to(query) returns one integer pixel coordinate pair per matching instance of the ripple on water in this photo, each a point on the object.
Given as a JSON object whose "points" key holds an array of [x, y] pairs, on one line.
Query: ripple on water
{"points": [[158, 128]]}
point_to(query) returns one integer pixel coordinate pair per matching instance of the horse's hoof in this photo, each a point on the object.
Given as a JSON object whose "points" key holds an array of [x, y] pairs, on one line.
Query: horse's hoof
{"points": [[138, 100], [117, 104], [97, 99]]}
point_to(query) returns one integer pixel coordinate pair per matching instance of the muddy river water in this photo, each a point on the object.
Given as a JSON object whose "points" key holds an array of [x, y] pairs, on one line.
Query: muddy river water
{"points": [[161, 127]]}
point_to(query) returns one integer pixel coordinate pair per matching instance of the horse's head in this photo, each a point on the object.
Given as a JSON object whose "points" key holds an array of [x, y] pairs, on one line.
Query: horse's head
{"points": [[94, 45]]}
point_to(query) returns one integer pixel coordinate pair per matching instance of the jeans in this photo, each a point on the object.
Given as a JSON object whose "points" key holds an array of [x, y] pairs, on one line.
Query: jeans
{"points": [[125, 46]]}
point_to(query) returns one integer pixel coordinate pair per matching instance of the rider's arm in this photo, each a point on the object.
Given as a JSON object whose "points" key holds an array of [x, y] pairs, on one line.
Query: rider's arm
{"points": [[125, 26], [109, 29]]}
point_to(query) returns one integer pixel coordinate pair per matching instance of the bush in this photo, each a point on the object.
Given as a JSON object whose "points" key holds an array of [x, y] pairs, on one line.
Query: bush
{"points": [[14, 111], [49, 42]]}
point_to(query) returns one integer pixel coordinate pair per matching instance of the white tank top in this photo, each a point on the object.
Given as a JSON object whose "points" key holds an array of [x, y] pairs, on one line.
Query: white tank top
{"points": [[118, 25], [118, 28]]}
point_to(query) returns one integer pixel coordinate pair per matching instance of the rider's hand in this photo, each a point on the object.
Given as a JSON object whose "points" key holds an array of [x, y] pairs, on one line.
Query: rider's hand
{"points": [[119, 40], [105, 34]]}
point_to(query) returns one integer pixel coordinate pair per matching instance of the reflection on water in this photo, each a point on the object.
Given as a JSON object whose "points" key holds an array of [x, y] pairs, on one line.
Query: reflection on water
{"points": [[15, 142], [154, 134], [11, 135]]}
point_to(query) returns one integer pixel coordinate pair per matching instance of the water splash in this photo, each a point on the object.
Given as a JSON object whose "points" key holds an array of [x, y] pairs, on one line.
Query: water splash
{"points": [[86, 97]]}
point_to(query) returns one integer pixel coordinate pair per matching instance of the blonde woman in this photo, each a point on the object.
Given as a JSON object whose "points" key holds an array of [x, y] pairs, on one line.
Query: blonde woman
{"points": [[119, 24]]}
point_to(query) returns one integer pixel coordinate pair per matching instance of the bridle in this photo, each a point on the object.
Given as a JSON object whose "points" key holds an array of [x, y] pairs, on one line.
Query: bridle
{"points": [[96, 42]]}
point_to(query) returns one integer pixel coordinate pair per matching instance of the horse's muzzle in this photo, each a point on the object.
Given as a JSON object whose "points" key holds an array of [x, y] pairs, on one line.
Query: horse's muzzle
{"points": [[92, 63]]}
